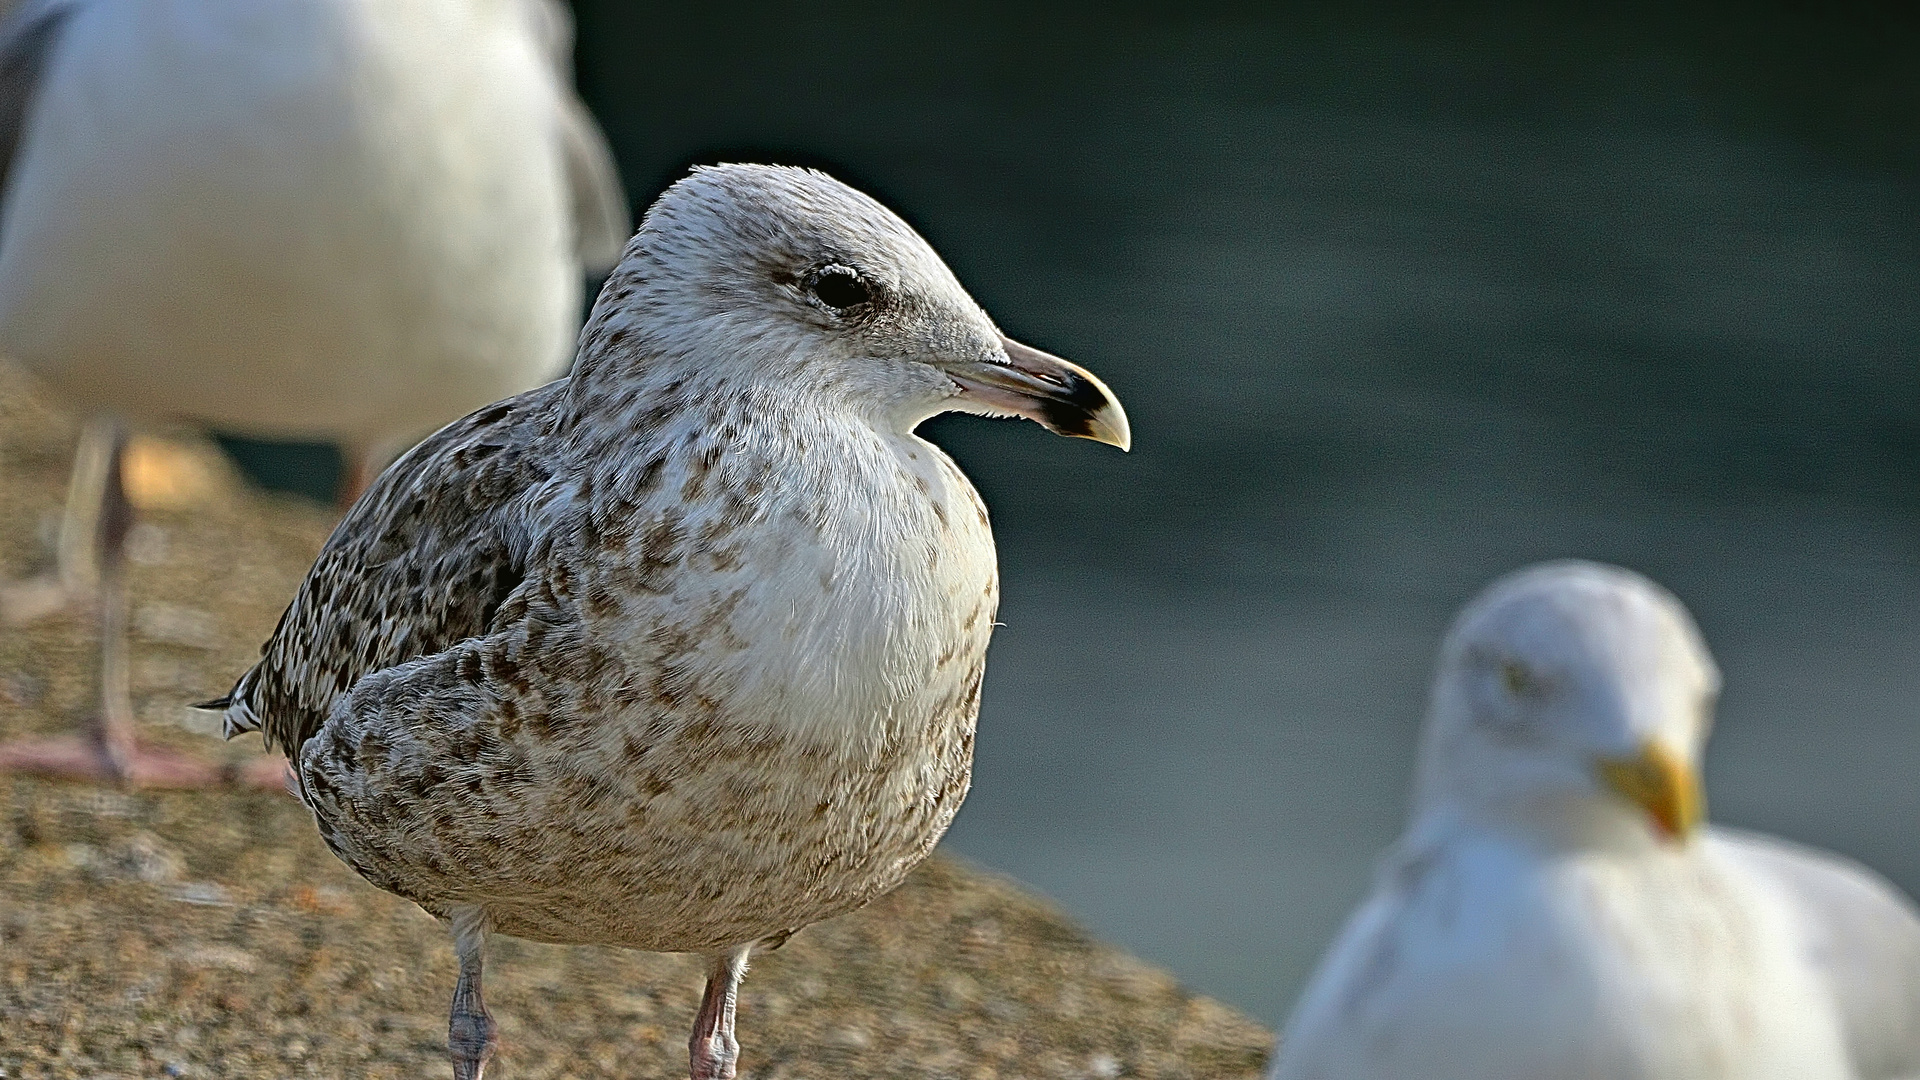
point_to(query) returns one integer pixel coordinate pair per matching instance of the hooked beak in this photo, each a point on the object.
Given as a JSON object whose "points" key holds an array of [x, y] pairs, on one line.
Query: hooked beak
{"points": [[1658, 781], [1062, 397]]}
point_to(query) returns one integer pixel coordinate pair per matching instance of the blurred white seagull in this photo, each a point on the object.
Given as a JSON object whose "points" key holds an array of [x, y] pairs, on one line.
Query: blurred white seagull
{"points": [[681, 653], [1557, 910], [347, 220]]}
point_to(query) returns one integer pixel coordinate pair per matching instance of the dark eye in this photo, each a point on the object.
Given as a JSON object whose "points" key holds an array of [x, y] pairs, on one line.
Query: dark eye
{"points": [[839, 287], [1517, 679]]}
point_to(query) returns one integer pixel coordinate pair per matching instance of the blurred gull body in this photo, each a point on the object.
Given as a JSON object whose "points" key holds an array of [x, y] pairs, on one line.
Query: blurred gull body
{"points": [[682, 653], [341, 220], [1556, 909]]}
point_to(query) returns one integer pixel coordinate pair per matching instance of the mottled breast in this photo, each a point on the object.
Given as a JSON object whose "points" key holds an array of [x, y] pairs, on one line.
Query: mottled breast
{"points": [[737, 696]]}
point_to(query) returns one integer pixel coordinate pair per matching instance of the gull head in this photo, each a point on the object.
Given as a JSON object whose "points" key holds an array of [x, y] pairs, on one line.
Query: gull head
{"points": [[788, 281], [1571, 696]]}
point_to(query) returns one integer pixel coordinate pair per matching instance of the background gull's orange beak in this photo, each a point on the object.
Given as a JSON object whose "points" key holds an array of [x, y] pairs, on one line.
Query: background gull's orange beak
{"points": [[1660, 782]]}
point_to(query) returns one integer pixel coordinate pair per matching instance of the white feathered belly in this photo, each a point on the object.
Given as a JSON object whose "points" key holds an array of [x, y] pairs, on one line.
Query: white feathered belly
{"points": [[329, 218]]}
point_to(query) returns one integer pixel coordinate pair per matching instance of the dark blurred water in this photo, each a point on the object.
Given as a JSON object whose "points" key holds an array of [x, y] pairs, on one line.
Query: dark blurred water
{"points": [[1396, 305]]}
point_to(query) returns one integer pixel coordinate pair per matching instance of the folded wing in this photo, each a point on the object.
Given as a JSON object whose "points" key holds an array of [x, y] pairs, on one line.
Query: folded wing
{"points": [[423, 561]]}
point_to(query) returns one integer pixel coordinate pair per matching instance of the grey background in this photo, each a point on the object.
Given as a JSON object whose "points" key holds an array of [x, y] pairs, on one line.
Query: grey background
{"points": [[1398, 301]]}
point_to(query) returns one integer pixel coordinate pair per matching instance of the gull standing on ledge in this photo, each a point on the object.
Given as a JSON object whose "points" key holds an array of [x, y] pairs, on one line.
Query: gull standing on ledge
{"points": [[341, 220], [681, 653], [1557, 911]]}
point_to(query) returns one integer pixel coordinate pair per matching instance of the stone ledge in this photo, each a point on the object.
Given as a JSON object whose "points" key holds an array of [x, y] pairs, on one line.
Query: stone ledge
{"points": [[214, 934]]}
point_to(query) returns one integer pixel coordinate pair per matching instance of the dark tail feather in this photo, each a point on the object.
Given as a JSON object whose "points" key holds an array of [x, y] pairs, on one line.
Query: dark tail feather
{"points": [[238, 715]]}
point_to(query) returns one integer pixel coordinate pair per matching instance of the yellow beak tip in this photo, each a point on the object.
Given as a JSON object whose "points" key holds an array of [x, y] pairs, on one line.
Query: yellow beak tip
{"points": [[1661, 783]]}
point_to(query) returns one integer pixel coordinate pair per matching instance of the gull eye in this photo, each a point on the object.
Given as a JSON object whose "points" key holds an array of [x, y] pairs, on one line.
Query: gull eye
{"points": [[1516, 678], [839, 287]]}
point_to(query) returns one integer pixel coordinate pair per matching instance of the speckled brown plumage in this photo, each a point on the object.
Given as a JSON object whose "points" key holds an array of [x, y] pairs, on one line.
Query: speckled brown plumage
{"points": [[394, 582], [464, 648], [684, 652]]}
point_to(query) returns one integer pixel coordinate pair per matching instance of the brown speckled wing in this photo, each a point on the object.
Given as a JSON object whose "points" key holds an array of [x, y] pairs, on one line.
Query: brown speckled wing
{"points": [[421, 562]]}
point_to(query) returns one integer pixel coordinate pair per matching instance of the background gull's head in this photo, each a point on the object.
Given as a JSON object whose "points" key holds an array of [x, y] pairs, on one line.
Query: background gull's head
{"points": [[786, 279], [1571, 696]]}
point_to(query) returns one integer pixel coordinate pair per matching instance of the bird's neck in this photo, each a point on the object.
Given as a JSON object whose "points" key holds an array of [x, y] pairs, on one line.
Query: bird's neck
{"points": [[649, 402], [1549, 823], [864, 555]]}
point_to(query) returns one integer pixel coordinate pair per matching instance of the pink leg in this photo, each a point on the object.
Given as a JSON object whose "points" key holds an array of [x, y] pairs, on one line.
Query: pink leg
{"points": [[75, 578], [110, 753], [713, 1051], [472, 1037]]}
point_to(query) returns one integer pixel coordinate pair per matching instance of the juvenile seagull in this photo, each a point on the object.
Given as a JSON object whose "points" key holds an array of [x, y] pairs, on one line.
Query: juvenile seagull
{"points": [[681, 653], [345, 220], [1556, 909]]}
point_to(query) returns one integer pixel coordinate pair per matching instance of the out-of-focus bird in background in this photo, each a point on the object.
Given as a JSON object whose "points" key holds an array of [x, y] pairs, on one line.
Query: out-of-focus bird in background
{"points": [[336, 220], [1557, 908], [682, 653]]}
